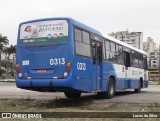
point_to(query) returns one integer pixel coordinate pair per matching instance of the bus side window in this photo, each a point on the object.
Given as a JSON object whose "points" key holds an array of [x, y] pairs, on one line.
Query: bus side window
{"points": [[134, 56], [136, 60], [119, 54], [107, 50], [140, 57], [78, 35], [113, 57], [127, 59], [82, 43]]}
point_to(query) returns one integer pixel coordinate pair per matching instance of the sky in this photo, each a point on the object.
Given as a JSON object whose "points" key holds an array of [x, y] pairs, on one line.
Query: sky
{"points": [[104, 15]]}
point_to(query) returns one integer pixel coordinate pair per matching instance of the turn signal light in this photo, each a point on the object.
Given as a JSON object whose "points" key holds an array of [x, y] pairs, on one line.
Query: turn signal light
{"points": [[68, 64], [17, 65]]}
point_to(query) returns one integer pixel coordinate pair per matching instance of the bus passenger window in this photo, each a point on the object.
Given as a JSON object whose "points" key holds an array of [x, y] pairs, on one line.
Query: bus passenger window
{"points": [[107, 50], [140, 57], [134, 56], [85, 37], [113, 57], [107, 45], [81, 44], [119, 51], [78, 35], [136, 59], [107, 55]]}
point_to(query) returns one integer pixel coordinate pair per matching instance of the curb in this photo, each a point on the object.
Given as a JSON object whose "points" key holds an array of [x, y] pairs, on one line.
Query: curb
{"points": [[152, 83], [5, 80]]}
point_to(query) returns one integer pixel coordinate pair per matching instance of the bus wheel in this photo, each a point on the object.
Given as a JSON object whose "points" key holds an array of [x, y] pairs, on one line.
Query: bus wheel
{"points": [[111, 89], [138, 90], [110, 92], [70, 94]]}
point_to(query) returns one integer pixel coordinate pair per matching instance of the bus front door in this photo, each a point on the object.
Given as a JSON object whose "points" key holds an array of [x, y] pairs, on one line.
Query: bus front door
{"points": [[97, 58]]}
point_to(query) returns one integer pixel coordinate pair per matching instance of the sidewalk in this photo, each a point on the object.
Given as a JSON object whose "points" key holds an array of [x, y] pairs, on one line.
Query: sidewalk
{"points": [[7, 80], [152, 83]]}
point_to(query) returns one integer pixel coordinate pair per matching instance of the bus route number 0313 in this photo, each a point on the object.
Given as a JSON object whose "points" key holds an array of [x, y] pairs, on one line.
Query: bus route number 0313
{"points": [[81, 66], [57, 61]]}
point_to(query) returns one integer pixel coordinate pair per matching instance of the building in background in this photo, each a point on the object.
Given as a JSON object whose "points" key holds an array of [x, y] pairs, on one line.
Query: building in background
{"points": [[152, 58], [134, 39], [149, 46], [152, 53]]}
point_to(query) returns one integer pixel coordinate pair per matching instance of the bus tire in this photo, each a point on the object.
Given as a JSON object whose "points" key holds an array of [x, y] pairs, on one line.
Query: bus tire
{"points": [[138, 90], [110, 92], [111, 89], [70, 94]]}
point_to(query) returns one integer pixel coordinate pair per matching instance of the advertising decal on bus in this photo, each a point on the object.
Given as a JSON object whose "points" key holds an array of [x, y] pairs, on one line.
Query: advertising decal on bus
{"points": [[44, 32]]}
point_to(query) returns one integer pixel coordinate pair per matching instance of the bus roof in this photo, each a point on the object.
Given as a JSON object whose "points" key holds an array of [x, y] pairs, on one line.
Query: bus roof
{"points": [[124, 44], [81, 25], [108, 37]]}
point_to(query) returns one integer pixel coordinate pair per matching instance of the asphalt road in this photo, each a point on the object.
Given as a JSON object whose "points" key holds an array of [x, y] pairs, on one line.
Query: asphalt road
{"points": [[148, 95]]}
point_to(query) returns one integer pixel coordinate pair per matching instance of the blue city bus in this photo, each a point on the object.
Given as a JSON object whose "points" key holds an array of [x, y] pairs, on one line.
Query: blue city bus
{"points": [[64, 55]]}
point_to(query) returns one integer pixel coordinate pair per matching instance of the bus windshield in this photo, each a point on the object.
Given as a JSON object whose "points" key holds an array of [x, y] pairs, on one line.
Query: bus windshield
{"points": [[44, 32]]}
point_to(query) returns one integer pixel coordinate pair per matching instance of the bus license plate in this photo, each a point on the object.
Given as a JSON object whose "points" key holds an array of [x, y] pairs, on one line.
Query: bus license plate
{"points": [[42, 71]]}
